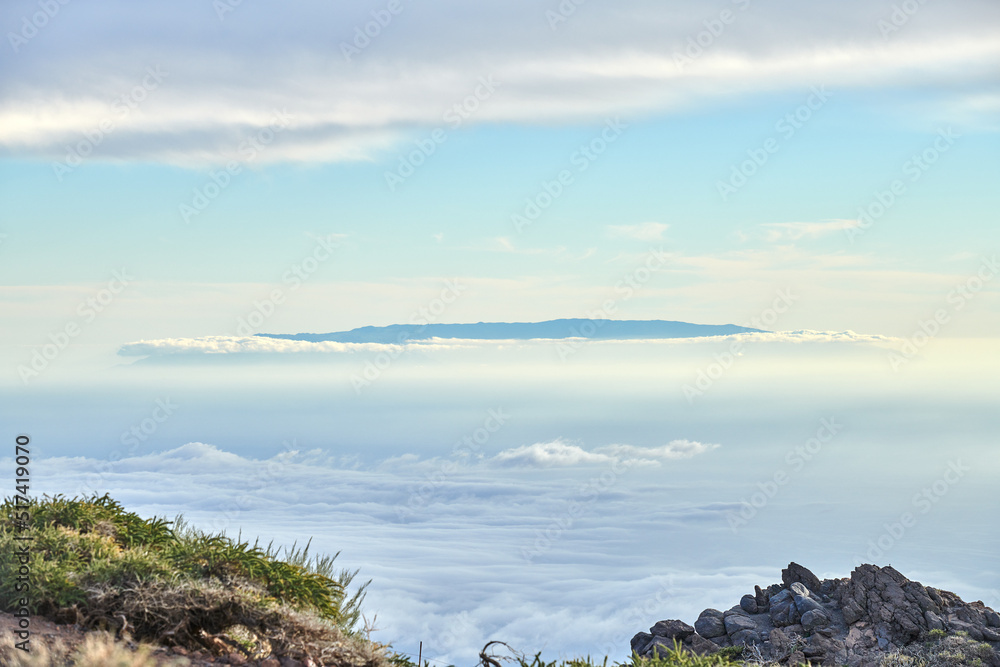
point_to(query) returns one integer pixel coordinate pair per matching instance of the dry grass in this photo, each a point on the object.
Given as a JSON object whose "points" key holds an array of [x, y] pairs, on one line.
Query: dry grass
{"points": [[97, 650], [943, 651]]}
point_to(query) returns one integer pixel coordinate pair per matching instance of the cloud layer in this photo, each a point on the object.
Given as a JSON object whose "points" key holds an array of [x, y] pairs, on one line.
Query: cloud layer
{"points": [[568, 552], [218, 345]]}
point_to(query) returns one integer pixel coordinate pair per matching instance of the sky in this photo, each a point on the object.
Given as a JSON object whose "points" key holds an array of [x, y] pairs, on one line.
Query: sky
{"points": [[652, 131], [176, 176]]}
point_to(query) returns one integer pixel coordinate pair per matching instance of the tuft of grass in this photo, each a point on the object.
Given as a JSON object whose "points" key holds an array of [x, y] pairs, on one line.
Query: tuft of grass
{"points": [[97, 650]]}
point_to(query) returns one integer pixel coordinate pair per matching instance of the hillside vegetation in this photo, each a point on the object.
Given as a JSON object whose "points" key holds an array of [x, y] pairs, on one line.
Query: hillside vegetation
{"points": [[97, 565]]}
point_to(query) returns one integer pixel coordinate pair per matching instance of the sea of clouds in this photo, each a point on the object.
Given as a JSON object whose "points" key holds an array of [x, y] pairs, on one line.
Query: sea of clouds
{"points": [[557, 504], [550, 546]]}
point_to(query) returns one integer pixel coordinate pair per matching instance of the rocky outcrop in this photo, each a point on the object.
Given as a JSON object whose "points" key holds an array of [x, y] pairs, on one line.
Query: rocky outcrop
{"points": [[853, 621]]}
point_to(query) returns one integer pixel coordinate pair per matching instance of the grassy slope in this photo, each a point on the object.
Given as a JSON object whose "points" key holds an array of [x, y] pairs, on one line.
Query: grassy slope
{"points": [[94, 563]]}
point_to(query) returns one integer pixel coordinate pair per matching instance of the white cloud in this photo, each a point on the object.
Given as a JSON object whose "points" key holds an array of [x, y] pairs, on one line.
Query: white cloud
{"points": [[549, 454], [675, 449], [794, 231], [644, 231], [559, 453], [242, 345]]}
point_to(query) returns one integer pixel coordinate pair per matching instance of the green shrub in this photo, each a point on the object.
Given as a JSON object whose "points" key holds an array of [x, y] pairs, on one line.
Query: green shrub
{"points": [[94, 562]]}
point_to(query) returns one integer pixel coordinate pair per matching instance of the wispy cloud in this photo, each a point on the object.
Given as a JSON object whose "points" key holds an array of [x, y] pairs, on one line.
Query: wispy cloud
{"points": [[644, 231], [793, 231], [505, 244], [605, 62]]}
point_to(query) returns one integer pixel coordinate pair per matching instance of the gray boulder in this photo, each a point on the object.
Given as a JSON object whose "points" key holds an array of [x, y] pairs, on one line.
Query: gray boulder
{"points": [[672, 629], [745, 637], [814, 619], [710, 624], [749, 604], [737, 623], [796, 573], [700, 645], [804, 604], [660, 646], [640, 642], [799, 589], [783, 611], [762, 599], [852, 611]]}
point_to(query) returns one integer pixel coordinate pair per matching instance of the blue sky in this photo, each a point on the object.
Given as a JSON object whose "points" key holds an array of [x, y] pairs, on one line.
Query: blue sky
{"points": [[183, 87]]}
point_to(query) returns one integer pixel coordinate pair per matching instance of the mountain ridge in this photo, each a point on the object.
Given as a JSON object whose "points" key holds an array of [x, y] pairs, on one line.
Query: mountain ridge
{"points": [[596, 329]]}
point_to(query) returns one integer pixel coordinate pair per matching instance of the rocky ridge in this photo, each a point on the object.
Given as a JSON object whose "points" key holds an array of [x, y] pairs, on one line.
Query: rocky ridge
{"points": [[853, 621]]}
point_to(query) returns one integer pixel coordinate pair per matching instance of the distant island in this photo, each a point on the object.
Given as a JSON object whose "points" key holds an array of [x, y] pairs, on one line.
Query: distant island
{"points": [[554, 329]]}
